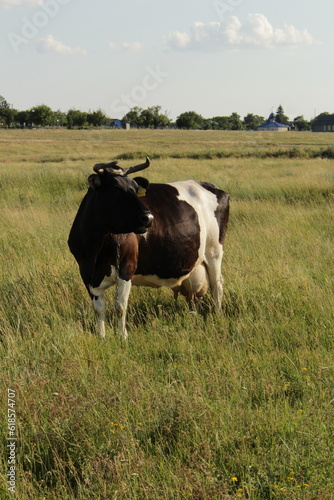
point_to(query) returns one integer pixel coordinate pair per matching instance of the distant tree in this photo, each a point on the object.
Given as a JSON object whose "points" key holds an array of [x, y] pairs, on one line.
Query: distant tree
{"points": [[3, 103], [41, 115], [252, 121], [301, 123], [8, 116], [6, 113], [59, 118], [23, 118], [190, 120], [280, 116], [236, 122], [76, 118], [208, 124], [158, 119], [97, 118], [221, 123], [146, 119], [133, 117]]}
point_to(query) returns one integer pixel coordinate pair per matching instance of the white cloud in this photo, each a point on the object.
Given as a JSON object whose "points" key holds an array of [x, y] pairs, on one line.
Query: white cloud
{"points": [[204, 31], [256, 31], [113, 46], [178, 40], [126, 46], [51, 44], [232, 31], [201, 36], [18, 3], [133, 46]]}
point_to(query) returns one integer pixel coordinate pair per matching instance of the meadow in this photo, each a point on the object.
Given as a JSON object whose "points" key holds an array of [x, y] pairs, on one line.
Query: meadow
{"points": [[194, 406]]}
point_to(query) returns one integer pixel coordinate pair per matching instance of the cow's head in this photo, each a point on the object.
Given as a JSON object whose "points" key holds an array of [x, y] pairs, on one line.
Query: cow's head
{"points": [[116, 198]]}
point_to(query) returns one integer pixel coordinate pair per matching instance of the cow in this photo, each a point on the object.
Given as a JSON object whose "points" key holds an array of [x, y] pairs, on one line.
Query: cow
{"points": [[129, 231]]}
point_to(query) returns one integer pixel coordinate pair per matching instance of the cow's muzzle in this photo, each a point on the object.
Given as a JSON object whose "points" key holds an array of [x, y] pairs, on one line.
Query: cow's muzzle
{"points": [[146, 221]]}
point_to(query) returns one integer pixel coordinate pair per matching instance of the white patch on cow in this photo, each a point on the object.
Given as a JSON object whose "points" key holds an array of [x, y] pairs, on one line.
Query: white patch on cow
{"points": [[121, 302], [154, 281], [205, 204], [107, 282], [123, 289], [99, 308], [98, 300], [211, 251]]}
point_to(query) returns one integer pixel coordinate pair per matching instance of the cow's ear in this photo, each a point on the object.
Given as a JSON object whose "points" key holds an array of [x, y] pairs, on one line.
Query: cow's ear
{"points": [[141, 181], [142, 184], [94, 181]]}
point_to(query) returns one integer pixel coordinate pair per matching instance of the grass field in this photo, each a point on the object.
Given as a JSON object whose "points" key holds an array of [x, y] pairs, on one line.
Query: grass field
{"points": [[194, 406]]}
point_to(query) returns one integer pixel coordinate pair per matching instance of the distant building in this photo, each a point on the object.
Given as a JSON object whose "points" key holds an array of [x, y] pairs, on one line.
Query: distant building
{"points": [[323, 123], [271, 125], [115, 123]]}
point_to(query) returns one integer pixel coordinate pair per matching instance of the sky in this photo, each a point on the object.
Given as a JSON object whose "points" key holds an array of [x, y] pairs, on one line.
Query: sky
{"points": [[214, 57]]}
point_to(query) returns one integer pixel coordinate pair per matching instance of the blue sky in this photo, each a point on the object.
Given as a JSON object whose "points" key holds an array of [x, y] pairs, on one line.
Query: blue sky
{"points": [[211, 56]]}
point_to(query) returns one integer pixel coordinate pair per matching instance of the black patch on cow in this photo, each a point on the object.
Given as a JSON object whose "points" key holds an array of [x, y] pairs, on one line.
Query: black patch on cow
{"points": [[105, 257], [111, 206], [170, 248]]}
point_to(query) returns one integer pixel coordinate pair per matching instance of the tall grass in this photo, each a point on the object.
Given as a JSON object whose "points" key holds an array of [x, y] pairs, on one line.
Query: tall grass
{"points": [[194, 406]]}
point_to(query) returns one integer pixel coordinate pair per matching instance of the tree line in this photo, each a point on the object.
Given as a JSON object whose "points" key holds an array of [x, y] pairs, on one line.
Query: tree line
{"points": [[193, 120], [44, 116], [152, 117]]}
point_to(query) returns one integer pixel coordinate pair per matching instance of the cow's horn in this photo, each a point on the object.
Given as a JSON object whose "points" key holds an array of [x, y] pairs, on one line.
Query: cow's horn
{"points": [[100, 167], [136, 168]]}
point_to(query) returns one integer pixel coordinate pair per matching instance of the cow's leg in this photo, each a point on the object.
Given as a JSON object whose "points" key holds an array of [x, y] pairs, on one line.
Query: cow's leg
{"points": [[99, 308], [214, 263], [123, 289]]}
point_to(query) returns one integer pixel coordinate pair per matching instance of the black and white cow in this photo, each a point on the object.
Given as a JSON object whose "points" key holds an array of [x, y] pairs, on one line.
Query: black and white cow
{"points": [[129, 231]]}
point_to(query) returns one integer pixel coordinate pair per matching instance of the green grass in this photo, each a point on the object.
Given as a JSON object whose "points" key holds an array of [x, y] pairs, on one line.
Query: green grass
{"points": [[194, 406]]}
